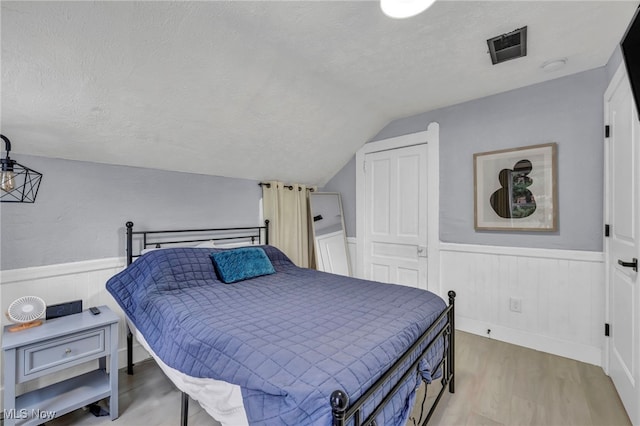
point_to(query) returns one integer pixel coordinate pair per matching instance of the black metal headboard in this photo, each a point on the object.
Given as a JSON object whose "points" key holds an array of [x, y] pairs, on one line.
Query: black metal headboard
{"points": [[162, 238]]}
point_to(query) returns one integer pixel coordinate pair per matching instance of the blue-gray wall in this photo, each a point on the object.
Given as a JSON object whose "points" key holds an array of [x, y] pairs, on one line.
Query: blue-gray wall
{"points": [[614, 61], [344, 182], [82, 207], [567, 110]]}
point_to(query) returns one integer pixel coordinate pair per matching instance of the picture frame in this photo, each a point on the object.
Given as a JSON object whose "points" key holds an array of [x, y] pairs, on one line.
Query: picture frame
{"points": [[516, 189]]}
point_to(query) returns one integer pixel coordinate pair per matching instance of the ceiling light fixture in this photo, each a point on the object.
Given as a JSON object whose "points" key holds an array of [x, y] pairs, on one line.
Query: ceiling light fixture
{"points": [[18, 183], [404, 8]]}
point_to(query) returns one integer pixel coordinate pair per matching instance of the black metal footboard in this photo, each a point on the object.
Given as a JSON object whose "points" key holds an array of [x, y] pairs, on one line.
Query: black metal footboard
{"points": [[343, 412]]}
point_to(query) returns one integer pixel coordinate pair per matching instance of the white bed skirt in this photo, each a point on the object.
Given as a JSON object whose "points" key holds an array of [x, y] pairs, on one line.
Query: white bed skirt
{"points": [[222, 400]]}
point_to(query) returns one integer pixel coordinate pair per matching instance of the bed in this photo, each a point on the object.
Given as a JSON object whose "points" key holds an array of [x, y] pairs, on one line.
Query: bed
{"points": [[299, 346]]}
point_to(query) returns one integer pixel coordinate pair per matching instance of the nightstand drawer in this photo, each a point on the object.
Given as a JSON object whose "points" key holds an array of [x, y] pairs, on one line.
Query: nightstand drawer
{"points": [[56, 354]]}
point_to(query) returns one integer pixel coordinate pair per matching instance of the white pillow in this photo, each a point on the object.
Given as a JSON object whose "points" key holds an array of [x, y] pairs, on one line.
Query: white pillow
{"points": [[235, 244], [147, 250], [206, 244]]}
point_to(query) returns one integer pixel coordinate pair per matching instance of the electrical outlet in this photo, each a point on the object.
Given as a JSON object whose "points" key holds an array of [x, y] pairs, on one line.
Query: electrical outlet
{"points": [[515, 304]]}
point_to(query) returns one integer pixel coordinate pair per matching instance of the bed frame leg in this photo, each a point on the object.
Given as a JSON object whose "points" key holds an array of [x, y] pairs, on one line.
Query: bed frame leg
{"points": [[129, 226], [339, 404], [452, 341], [184, 412], [129, 352]]}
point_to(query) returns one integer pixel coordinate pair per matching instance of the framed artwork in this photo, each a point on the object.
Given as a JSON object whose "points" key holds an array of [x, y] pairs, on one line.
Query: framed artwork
{"points": [[515, 189]]}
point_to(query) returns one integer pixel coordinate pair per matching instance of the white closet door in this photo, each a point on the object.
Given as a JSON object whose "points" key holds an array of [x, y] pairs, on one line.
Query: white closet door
{"points": [[395, 240]]}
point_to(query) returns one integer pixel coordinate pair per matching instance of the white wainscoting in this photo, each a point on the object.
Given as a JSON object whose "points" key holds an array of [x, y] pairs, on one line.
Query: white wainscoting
{"points": [[562, 294], [62, 283], [351, 246]]}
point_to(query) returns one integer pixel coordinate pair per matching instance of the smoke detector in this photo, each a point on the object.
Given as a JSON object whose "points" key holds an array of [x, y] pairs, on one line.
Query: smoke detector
{"points": [[508, 46], [553, 64]]}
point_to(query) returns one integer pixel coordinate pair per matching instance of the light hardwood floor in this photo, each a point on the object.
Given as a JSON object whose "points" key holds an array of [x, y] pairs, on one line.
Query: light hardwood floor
{"points": [[496, 384], [502, 384]]}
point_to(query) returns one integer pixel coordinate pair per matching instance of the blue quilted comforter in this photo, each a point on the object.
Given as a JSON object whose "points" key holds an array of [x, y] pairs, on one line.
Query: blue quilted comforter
{"points": [[288, 339]]}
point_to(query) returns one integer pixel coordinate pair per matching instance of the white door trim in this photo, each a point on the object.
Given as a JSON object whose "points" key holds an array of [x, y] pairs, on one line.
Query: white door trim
{"points": [[432, 138]]}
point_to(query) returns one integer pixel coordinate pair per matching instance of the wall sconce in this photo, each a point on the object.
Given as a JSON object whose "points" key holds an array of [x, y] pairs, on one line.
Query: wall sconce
{"points": [[18, 183]]}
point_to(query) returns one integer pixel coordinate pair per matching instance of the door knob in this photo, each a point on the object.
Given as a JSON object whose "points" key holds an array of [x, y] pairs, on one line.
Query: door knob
{"points": [[633, 264]]}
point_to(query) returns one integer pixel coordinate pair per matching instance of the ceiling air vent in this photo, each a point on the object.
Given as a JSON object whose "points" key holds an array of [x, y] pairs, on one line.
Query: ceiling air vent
{"points": [[508, 46]]}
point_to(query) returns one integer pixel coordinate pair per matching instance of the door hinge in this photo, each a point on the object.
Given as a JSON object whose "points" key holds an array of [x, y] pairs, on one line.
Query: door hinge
{"points": [[607, 230], [606, 329], [607, 131], [364, 166]]}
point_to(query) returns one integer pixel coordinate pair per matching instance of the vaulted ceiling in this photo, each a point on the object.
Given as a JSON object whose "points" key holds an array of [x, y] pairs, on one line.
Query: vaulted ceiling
{"points": [[266, 89]]}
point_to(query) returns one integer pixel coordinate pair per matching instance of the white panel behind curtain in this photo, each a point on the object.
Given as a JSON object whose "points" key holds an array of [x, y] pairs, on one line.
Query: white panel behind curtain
{"points": [[288, 214]]}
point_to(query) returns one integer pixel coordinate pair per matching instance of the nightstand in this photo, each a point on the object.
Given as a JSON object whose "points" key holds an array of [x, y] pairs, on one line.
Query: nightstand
{"points": [[56, 345]]}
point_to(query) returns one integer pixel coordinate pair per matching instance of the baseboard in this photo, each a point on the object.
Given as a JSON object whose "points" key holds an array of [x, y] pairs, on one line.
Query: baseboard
{"points": [[572, 350]]}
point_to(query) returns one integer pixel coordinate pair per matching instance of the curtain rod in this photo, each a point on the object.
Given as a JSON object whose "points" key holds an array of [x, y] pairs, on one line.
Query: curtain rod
{"points": [[290, 187]]}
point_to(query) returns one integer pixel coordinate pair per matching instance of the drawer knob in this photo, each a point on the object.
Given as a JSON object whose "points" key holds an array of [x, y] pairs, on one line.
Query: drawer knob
{"points": [[67, 351]]}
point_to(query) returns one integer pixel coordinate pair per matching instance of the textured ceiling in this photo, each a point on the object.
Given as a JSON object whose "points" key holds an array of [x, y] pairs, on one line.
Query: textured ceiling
{"points": [[264, 90]]}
